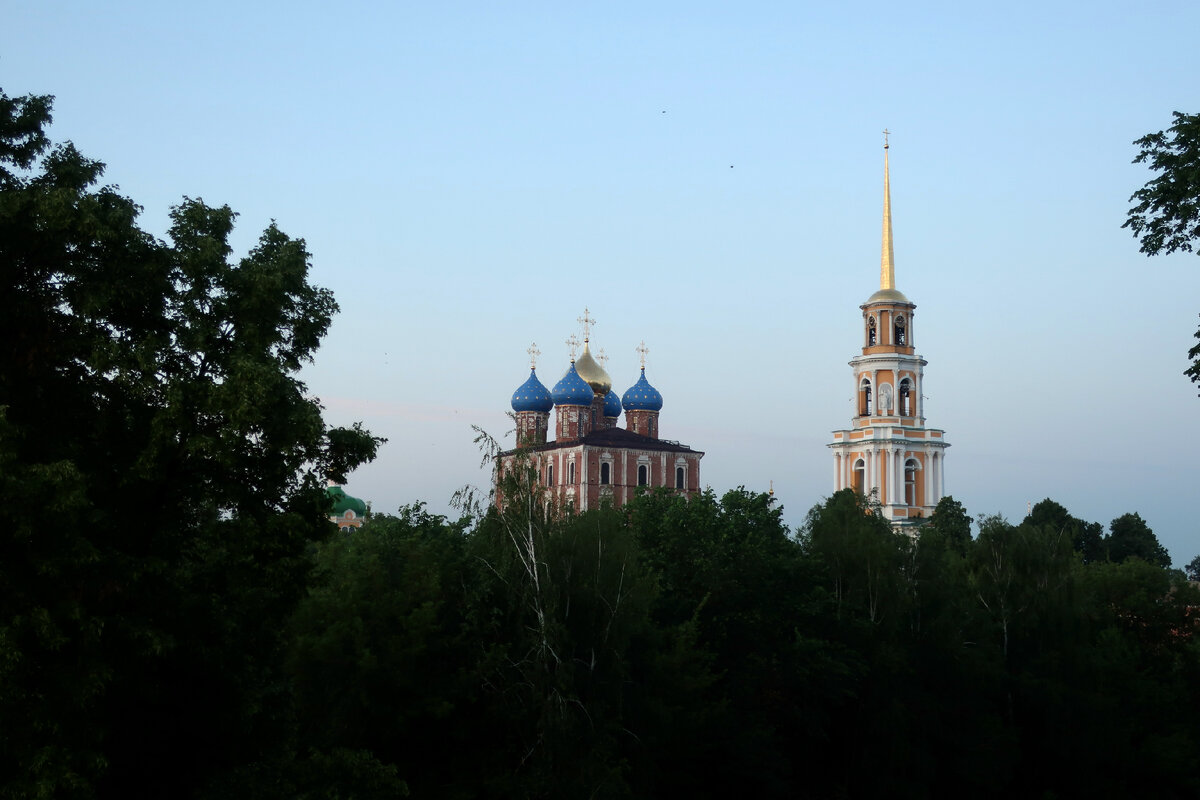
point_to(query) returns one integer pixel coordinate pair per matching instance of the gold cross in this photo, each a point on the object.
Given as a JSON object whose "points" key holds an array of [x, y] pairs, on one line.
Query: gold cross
{"points": [[586, 321], [886, 132], [533, 354], [602, 357], [573, 344], [642, 350]]}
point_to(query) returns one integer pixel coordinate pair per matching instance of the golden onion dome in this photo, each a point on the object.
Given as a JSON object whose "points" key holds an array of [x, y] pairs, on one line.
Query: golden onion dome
{"points": [[592, 372]]}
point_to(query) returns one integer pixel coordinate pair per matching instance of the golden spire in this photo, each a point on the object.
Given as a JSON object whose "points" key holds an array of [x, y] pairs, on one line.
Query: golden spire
{"points": [[887, 260]]}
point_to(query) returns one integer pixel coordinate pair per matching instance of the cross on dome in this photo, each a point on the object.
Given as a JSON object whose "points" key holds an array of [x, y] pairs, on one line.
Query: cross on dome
{"points": [[573, 344], [602, 357], [533, 354], [642, 351], [586, 321]]}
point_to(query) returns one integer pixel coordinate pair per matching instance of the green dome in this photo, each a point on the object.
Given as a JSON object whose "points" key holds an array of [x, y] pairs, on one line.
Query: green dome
{"points": [[340, 503]]}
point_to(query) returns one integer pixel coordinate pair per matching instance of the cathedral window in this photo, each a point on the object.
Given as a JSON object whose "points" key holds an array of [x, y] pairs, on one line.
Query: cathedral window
{"points": [[858, 480], [871, 335], [605, 473], [643, 475], [679, 478], [865, 406], [900, 336], [910, 482], [905, 402], [571, 472], [550, 475]]}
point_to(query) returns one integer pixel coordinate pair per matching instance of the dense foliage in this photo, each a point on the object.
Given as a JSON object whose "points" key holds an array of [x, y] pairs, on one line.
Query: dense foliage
{"points": [[1165, 216], [161, 478], [697, 646], [177, 619]]}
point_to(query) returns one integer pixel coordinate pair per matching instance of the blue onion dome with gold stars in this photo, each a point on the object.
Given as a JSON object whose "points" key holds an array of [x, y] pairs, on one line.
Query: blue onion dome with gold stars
{"points": [[572, 390], [612, 404], [642, 396], [532, 396]]}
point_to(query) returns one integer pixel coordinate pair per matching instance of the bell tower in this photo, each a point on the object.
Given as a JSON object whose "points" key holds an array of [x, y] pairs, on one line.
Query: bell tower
{"points": [[888, 451]]}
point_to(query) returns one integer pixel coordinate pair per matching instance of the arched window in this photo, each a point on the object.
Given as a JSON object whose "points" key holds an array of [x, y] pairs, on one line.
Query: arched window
{"points": [[550, 475], [605, 472], [865, 403], [904, 404], [900, 335], [910, 482], [643, 475], [872, 337], [858, 481], [679, 478], [571, 472]]}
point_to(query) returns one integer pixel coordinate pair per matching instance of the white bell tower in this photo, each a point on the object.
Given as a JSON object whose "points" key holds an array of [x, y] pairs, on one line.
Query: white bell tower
{"points": [[888, 451]]}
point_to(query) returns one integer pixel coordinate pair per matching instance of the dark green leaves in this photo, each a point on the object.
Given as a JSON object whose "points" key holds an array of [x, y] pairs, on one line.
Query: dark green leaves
{"points": [[1166, 214]]}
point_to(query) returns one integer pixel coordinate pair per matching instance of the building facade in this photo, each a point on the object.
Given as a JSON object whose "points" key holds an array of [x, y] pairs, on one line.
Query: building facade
{"points": [[592, 460], [889, 451]]}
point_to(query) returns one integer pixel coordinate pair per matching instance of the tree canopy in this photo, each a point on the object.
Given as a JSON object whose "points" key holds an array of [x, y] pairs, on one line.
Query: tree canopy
{"points": [[1165, 216], [161, 477]]}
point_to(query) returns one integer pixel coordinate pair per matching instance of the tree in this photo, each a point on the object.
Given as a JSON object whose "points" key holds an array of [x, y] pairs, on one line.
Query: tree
{"points": [[161, 477], [950, 520], [1086, 537], [1166, 214], [1192, 570], [1130, 536]]}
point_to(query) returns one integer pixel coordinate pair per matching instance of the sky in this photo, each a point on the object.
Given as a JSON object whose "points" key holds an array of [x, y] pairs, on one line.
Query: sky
{"points": [[706, 178]]}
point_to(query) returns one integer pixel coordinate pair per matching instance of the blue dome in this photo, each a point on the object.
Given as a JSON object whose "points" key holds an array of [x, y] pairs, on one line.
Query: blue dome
{"points": [[572, 390], [612, 404], [642, 396], [532, 396]]}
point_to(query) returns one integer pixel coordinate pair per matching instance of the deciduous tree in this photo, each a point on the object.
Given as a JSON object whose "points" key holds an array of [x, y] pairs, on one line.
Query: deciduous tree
{"points": [[162, 475]]}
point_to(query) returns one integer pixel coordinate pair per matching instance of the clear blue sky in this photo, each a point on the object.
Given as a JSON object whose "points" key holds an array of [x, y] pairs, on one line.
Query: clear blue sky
{"points": [[702, 176]]}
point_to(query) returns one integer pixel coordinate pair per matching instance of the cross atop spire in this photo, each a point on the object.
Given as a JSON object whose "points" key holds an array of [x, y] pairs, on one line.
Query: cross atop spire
{"points": [[887, 260], [573, 345], [642, 351], [587, 322], [533, 354]]}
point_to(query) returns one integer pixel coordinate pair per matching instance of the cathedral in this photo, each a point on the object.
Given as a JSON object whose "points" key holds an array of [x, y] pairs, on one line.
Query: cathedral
{"points": [[592, 460], [888, 451]]}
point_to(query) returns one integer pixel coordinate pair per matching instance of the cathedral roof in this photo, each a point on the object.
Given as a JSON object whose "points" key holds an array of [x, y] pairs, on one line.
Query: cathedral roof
{"points": [[642, 396], [532, 395], [614, 439], [572, 390]]}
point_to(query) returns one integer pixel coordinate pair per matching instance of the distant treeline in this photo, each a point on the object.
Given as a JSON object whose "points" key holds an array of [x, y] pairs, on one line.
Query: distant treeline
{"points": [[676, 648]]}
